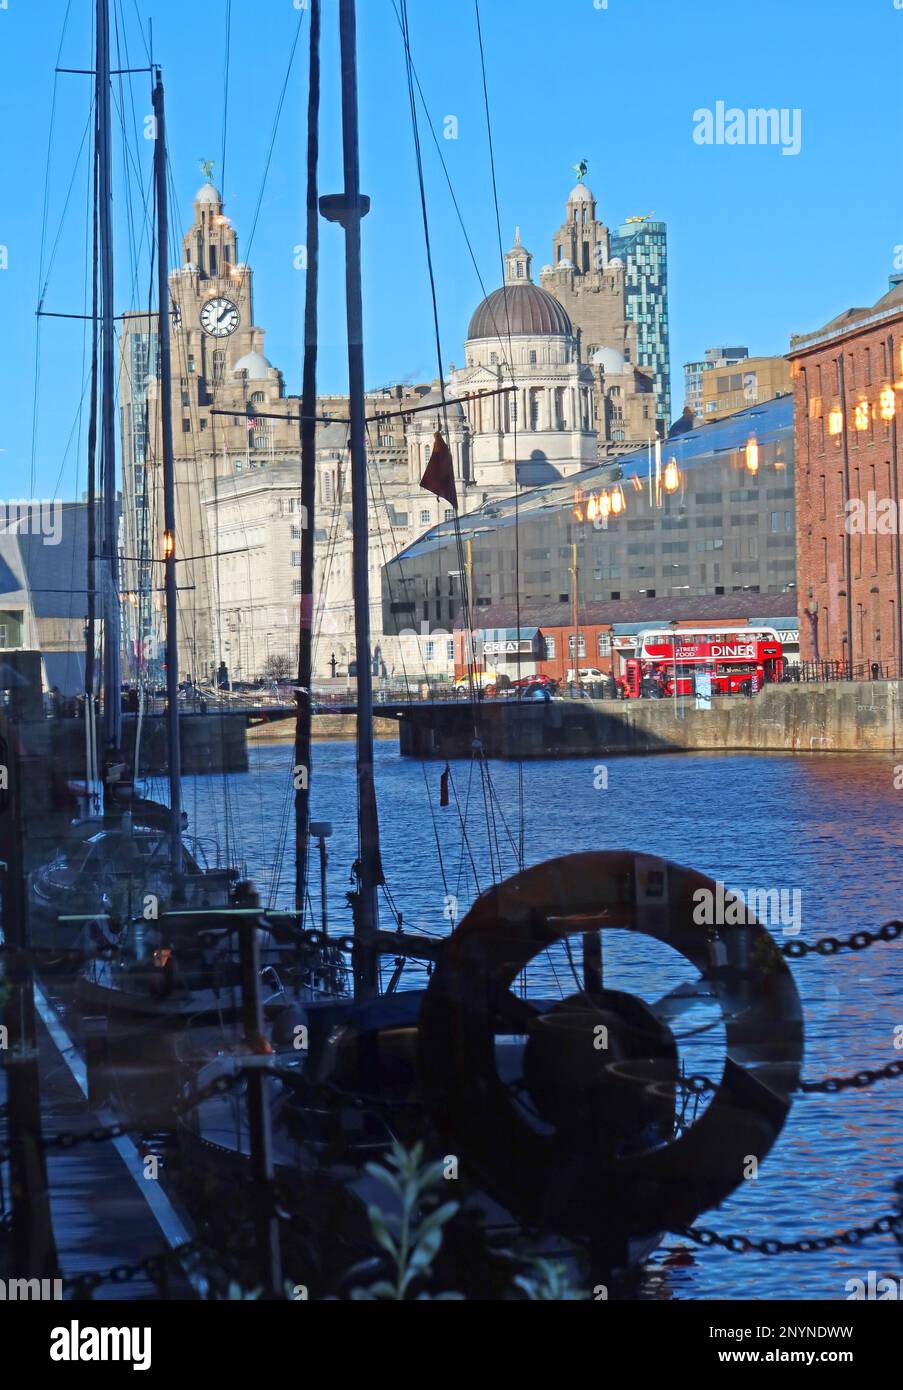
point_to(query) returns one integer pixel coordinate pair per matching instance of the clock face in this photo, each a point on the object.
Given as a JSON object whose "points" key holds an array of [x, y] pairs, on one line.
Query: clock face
{"points": [[220, 317]]}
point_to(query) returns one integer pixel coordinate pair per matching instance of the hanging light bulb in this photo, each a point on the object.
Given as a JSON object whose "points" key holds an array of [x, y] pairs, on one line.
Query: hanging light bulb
{"points": [[592, 508], [888, 403], [671, 479], [861, 415], [617, 500], [752, 454], [605, 505], [637, 482]]}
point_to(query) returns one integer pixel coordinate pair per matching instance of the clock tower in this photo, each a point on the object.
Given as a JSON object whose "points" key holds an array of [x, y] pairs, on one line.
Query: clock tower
{"points": [[221, 384], [212, 300]]}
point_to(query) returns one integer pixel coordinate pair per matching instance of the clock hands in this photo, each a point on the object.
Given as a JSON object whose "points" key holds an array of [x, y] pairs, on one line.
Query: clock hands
{"points": [[219, 317]]}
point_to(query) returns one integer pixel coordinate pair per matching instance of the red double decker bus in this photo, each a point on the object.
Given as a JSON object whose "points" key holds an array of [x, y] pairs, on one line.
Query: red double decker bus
{"points": [[740, 660]]}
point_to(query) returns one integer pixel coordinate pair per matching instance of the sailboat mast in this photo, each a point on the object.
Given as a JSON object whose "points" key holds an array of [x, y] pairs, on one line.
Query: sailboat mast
{"points": [[112, 708], [348, 208], [169, 488], [308, 475], [91, 616]]}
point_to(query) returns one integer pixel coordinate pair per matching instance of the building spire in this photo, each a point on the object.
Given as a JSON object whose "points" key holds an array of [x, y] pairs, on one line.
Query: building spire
{"points": [[517, 262]]}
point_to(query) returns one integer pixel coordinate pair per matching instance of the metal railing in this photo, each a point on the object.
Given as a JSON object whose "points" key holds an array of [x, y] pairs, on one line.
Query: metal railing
{"points": [[824, 672]]}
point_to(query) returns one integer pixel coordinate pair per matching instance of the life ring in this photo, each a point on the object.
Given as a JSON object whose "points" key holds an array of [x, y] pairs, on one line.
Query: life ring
{"points": [[567, 1177]]}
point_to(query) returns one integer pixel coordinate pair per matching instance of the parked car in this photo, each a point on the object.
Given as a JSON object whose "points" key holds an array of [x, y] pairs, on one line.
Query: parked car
{"points": [[537, 679], [484, 682], [592, 682], [535, 687], [587, 675]]}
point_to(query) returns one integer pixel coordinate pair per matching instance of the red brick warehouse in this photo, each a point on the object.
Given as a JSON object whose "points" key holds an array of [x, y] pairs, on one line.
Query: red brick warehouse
{"points": [[848, 397]]}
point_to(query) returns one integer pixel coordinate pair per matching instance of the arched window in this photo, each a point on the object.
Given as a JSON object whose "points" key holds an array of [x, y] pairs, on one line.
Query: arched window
{"points": [[258, 398]]}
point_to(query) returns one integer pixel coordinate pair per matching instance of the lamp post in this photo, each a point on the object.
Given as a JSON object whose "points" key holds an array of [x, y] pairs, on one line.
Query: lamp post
{"points": [[320, 830], [673, 627]]}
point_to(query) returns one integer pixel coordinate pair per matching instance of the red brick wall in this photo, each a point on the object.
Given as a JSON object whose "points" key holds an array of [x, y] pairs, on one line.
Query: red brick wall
{"points": [[823, 583]]}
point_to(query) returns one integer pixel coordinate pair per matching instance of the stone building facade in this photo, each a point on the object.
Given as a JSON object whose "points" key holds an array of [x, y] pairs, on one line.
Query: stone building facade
{"points": [[847, 380], [595, 287], [520, 337]]}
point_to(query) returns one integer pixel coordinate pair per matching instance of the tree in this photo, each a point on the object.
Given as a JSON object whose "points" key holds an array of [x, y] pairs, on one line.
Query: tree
{"points": [[277, 666]]}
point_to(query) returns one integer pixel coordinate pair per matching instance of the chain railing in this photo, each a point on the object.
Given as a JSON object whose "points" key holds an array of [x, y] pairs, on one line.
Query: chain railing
{"points": [[742, 1245]]}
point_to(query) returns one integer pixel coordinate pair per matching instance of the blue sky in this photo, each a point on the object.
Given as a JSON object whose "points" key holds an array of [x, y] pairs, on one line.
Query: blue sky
{"points": [[760, 244]]}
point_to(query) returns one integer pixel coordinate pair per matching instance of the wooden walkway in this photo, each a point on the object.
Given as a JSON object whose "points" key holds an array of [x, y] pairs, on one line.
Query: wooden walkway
{"points": [[105, 1212]]}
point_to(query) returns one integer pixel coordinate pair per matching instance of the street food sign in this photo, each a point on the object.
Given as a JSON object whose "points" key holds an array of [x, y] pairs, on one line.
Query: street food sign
{"points": [[509, 647]]}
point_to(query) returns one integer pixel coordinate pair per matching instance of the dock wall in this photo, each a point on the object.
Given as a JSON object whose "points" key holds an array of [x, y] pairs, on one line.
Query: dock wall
{"points": [[848, 716]]}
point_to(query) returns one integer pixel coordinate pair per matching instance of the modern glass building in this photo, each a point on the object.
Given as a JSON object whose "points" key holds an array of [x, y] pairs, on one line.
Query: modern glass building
{"points": [[720, 521], [643, 247]]}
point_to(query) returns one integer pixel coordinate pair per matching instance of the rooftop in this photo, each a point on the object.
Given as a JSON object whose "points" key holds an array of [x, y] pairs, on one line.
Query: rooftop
{"points": [[769, 422], [775, 609]]}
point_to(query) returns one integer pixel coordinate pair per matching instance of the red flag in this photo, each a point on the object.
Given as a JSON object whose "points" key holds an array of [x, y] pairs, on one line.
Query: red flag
{"points": [[443, 788], [439, 477]]}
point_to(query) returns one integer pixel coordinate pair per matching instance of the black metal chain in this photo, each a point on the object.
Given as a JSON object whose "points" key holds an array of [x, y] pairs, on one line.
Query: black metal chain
{"points": [[77, 955], [101, 1133], [830, 945], [741, 1245], [154, 1266], [699, 1085], [859, 1080], [696, 1084], [794, 950]]}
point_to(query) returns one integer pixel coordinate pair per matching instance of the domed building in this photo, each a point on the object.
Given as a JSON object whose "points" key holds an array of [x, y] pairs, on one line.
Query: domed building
{"points": [[543, 427]]}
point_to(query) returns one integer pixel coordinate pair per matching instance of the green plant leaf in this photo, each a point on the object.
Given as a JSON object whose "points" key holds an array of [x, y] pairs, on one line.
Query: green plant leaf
{"points": [[425, 1251], [436, 1219], [382, 1175], [432, 1176], [381, 1233]]}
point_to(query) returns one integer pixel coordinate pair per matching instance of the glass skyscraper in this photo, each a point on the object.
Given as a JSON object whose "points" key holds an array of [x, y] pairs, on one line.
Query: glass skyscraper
{"points": [[643, 247]]}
